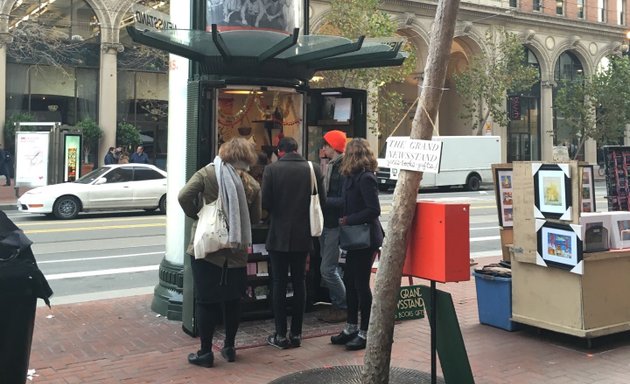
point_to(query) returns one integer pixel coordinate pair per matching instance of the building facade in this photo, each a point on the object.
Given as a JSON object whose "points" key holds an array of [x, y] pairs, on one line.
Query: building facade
{"points": [[98, 73]]}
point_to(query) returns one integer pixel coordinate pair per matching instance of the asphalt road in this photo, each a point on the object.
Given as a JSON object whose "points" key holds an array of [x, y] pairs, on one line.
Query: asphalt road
{"points": [[109, 255]]}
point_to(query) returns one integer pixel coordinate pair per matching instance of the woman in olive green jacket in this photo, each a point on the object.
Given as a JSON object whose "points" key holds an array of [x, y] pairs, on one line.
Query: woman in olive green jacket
{"points": [[220, 277]]}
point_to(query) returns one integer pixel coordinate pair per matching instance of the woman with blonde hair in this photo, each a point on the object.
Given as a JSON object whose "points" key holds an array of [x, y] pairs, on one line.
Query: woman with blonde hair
{"points": [[220, 278], [361, 206]]}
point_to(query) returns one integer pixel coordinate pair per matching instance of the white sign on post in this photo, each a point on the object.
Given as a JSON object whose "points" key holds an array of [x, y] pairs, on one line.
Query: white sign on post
{"points": [[414, 155]]}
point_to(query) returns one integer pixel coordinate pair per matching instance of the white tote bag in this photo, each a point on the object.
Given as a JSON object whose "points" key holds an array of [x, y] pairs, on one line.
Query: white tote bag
{"points": [[212, 232], [316, 217]]}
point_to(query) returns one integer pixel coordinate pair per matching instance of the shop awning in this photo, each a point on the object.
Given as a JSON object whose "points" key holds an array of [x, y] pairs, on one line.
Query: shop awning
{"points": [[264, 54]]}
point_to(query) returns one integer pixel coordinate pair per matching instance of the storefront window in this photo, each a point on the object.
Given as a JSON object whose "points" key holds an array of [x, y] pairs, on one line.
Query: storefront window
{"points": [[143, 102], [263, 117], [568, 68]]}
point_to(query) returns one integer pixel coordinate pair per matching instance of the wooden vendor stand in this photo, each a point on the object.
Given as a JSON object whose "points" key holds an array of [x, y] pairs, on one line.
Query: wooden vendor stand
{"points": [[588, 300]]}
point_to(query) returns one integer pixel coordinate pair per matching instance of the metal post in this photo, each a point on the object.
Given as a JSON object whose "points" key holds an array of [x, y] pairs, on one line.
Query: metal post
{"points": [[433, 320]]}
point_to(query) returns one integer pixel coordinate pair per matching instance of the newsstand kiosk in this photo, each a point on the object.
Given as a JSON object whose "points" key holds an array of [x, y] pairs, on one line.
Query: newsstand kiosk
{"points": [[250, 78]]}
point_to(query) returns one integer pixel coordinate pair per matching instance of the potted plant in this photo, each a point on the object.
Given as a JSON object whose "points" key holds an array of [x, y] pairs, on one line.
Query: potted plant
{"points": [[91, 135], [128, 137], [9, 128]]}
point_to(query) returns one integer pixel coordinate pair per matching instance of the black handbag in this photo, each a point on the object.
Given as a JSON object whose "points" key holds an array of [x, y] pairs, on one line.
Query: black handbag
{"points": [[353, 237]]}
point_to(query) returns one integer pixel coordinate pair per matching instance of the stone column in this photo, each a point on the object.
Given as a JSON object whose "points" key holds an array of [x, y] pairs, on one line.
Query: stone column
{"points": [[546, 121], [108, 95]]}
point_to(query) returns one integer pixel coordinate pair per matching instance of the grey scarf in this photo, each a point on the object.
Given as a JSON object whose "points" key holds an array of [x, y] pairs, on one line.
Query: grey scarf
{"points": [[234, 204]]}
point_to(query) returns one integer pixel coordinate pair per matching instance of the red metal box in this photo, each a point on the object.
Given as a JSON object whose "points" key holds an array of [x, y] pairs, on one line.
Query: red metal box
{"points": [[438, 247]]}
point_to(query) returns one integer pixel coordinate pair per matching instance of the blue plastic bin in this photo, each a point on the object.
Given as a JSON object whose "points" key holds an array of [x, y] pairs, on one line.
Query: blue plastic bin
{"points": [[494, 301]]}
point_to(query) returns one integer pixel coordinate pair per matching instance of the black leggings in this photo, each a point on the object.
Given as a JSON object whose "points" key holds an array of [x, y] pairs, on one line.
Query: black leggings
{"points": [[208, 316], [356, 277]]}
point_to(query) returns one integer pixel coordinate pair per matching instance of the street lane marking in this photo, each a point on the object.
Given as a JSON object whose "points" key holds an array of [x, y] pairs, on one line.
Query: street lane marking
{"points": [[102, 272], [100, 258], [99, 228], [484, 238], [80, 221]]}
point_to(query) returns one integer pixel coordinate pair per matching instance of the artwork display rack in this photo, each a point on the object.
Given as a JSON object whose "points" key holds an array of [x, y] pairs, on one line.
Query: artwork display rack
{"points": [[617, 163]]}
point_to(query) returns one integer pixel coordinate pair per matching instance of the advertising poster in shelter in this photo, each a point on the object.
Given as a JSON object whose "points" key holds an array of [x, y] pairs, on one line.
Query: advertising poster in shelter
{"points": [[72, 154], [273, 15], [31, 158]]}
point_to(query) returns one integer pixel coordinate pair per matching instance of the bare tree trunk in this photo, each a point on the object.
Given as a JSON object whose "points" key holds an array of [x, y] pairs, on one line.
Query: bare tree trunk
{"points": [[381, 328]]}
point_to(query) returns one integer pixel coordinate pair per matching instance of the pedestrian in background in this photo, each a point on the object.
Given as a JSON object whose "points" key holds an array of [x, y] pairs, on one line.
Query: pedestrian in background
{"points": [[361, 206], [4, 166], [139, 156], [286, 192], [220, 278], [110, 157], [333, 148]]}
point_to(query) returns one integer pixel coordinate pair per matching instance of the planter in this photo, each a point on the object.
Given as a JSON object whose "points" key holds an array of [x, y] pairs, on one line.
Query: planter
{"points": [[86, 168]]}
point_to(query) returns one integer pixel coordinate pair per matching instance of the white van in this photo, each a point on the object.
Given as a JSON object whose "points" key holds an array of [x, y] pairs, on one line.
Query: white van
{"points": [[466, 161]]}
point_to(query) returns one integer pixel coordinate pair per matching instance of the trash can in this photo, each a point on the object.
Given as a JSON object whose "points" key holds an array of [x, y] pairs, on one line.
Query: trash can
{"points": [[494, 301], [16, 332]]}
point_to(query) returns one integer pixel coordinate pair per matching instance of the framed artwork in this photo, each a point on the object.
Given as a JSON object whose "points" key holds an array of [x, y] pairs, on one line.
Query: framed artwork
{"points": [[503, 194], [587, 189], [560, 246], [620, 228], [552, 191]]}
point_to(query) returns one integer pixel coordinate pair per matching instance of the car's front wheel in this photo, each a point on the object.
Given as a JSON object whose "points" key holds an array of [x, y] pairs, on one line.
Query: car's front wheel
{"points": [[66, 207], [163, 204]]}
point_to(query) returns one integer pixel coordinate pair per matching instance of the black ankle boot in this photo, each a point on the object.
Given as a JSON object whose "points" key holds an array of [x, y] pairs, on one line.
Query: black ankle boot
{"points": [[229, 354], [343, 338], [356, 343], [201, 359]]}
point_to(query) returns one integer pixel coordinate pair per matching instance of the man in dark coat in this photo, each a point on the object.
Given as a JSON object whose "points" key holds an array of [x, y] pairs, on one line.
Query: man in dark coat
{"points": [[286, 191], [5, 164], [110, 158]]}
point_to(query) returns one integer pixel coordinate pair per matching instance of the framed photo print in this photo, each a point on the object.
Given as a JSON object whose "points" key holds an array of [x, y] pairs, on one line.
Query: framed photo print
{"points": [[560, 245], [552, 191], [587, 189], [503, 190]]}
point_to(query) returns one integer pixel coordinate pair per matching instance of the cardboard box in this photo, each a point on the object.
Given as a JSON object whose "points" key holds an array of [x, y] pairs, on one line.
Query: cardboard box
{"points": [[439, 242]]}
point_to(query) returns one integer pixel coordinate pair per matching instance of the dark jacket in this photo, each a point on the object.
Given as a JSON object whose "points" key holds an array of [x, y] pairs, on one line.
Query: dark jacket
{"points": [[142, 158], [334, 195], [361, 204], [286, 190], [110, 159]]}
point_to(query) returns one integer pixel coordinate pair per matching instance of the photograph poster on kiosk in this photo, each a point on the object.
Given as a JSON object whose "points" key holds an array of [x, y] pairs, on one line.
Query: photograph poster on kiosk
{"points": [[274, 15]]}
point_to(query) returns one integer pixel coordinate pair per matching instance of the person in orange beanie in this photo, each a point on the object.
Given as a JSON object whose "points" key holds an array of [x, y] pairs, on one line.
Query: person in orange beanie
{"points": [[333, 148]]}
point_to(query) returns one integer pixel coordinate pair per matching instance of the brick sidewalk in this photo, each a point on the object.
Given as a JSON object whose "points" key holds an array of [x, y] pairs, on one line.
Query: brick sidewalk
{"points": [[122, 341]]}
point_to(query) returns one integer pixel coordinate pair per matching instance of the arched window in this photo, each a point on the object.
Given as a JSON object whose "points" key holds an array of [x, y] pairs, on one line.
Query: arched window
{"points": [[53, 60], [568, 68], [143, 88]]}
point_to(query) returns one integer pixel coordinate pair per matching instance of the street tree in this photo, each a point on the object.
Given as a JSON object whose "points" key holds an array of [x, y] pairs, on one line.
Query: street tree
{"points": [[10, 127], [127, 136], [354, 18], [490, 75], [595, 107], [381, 328]]}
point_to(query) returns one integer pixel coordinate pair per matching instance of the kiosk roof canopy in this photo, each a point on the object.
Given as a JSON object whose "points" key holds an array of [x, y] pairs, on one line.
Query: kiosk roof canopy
{"points": [[257, 53]]}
